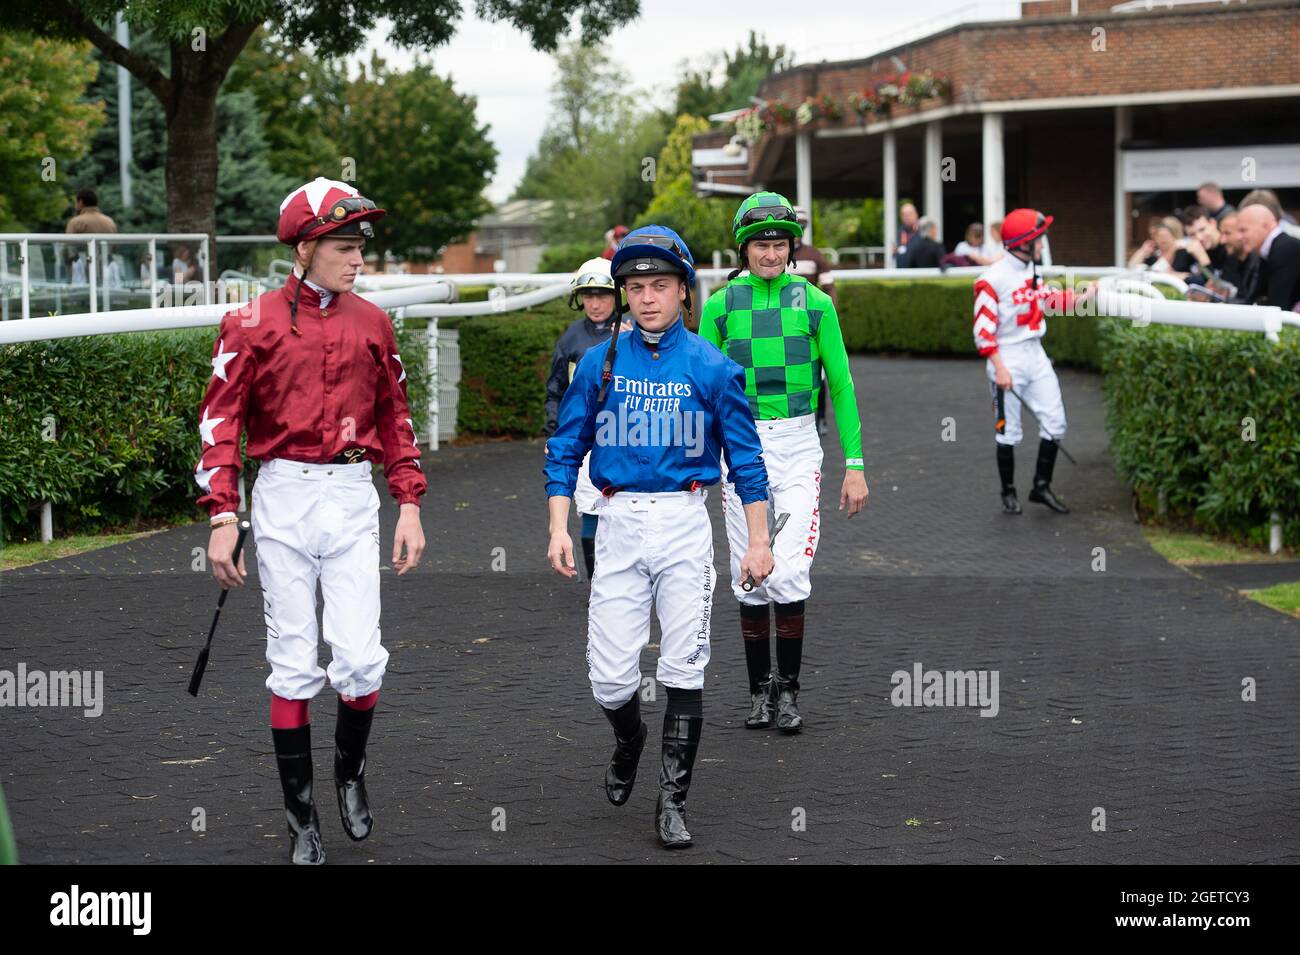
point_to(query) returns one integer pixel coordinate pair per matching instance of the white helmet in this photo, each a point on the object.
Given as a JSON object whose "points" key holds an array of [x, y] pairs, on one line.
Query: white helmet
{"points": [[592, 276]]}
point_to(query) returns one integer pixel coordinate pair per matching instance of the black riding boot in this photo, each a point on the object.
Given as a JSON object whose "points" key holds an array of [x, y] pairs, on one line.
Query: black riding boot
{"points": [[1042, 492], [1007, 472], [683, 722], [293, 758], [350, 735], [629, 739], [789, 655], [756, 631]]}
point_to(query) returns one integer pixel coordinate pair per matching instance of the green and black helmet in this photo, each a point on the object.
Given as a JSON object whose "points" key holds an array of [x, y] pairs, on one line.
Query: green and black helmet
{"points": [[765, 215]]}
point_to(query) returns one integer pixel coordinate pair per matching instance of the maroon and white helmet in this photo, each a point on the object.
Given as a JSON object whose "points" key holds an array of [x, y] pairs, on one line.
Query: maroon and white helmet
{"points": [[325, 206]]}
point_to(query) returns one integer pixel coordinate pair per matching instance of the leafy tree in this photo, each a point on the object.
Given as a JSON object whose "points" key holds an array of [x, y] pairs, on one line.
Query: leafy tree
{"points": [[597, 157], [299, 96], [704, 92], [432, 183], [44, 125], [205, 39], [248, 190], [705, 223]]}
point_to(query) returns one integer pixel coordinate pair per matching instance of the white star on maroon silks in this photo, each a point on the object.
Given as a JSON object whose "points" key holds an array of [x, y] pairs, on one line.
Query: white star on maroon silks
{"points": [[401, 366], [221, 359], [204, 476], [207, 426]]}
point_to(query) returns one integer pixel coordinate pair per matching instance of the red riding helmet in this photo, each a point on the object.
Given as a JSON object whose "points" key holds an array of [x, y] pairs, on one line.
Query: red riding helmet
{"points": [[325, 206], [1022, 226]]}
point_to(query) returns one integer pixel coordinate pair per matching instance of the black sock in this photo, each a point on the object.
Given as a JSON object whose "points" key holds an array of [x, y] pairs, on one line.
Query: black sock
{"points": [[684, 702], [789, 639], [1046, 461], [756, 629], [1007, 467], [626, 719]]}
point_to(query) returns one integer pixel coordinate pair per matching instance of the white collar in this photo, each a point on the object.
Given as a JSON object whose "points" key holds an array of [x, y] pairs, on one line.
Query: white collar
{"points": [[326, 296]]}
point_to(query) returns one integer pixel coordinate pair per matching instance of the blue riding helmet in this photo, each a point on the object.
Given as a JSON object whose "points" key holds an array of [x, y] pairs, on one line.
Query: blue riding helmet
{"points": [[651, 249]]}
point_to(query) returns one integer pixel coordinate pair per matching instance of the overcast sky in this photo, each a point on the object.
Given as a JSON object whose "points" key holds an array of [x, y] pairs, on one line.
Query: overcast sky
{"points": [[512, 81]]}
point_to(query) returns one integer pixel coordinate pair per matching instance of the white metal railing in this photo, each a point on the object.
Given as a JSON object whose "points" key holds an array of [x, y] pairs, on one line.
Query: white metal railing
{"points": [[1141, 303], [93, 242], [194, 316], [1121, 293]]}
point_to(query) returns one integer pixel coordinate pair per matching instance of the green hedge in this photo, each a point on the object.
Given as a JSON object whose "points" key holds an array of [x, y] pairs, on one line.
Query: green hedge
{"points": [[933, 317], [105, 427], [1175, 403], [505, 361]]}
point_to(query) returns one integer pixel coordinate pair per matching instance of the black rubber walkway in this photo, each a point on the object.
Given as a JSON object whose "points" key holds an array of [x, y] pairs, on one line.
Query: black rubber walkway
{"points": [[1119, 689]]}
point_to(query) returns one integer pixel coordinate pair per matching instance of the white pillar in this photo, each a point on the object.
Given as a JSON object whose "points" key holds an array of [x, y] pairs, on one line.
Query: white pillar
{"points": [[1123, 130], [933, 195], [803, 175], [891, 198], [995, 188]]}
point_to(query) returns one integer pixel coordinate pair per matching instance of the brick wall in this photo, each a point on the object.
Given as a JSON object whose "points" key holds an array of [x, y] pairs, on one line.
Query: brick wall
{"points": [[461, 257], [1054, 56], [1069, 173]]}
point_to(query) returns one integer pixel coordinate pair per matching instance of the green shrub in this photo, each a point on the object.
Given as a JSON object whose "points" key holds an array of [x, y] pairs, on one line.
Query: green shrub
{"points": [[934, 317], [505, 361], [1177, 404], [105, 427]]}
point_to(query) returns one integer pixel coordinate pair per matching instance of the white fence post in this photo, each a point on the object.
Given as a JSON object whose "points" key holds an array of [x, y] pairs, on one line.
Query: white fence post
{"points": [[24, 273], [431, 362], [91, 258]]}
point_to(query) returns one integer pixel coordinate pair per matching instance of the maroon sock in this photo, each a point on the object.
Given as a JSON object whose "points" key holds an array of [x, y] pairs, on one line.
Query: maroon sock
{"points": [[366, 702], [789, 639], [289, 714]]}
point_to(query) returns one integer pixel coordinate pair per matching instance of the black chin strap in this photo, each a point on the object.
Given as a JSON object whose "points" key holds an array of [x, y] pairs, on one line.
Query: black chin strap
{"points": [[293, 308], [607, 368]]}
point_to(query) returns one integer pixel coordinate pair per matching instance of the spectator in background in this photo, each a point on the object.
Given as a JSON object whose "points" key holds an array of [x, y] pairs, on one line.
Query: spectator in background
{"points": [[1268, 199], [925, 251], [1243, 266], [971, 248], [1279, 254], [1209, 194], [1166, 252], [907, 232], [612, 238], [1234, 259], [88, 217], [1204, 243], [993, 244], [184, 268]]}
